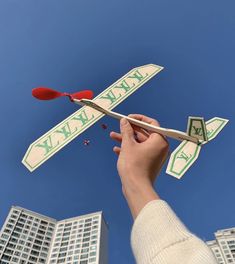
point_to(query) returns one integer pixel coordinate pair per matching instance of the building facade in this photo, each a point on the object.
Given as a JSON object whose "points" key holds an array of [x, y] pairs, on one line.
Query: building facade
{"points": [[223, 246], [29, 238]]}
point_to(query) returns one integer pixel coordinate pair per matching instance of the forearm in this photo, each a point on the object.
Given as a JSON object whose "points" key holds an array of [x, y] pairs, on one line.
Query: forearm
{"points": [[138, 193], [158, 236]]}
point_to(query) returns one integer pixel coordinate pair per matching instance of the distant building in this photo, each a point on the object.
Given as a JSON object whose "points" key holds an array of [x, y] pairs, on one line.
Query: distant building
{"points": [[223, 246], [29, 238]]}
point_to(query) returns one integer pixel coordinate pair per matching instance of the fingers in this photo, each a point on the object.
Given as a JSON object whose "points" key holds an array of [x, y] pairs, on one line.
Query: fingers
{"points": [[140, 136], [116, 150], [145, 119], [127, 132], [116, 136]]}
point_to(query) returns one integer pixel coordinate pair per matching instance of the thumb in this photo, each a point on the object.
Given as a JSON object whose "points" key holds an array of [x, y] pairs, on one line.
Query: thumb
{"points": [[126, 131]]}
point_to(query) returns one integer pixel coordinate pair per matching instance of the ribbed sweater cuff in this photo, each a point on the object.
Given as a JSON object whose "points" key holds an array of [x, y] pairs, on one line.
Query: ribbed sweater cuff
{"points": [[156, 228]]}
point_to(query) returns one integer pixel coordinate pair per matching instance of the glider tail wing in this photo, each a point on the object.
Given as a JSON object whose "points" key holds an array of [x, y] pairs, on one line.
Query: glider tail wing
{"points": [[214, 126], [182, 158]]}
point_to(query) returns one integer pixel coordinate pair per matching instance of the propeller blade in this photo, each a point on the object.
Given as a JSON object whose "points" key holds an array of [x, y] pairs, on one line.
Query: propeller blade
{"points": [[86, 94], [43, 93]]}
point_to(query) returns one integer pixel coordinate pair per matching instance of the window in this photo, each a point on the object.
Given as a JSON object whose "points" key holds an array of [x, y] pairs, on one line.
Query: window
{"points": [[64, 244], [62, 249], [85, 245], [19, 247], [42, 254], [13, 216], [62, 255], [5, 236], [92, 247], [46, 243], [84, 256], [5, 257], [92, 259], [83, 262], [66, 233], [34, 253]]}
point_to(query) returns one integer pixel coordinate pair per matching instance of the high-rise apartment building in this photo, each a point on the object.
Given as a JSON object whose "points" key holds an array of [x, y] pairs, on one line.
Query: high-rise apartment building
{"points": [[223, 246], [29, 238]]}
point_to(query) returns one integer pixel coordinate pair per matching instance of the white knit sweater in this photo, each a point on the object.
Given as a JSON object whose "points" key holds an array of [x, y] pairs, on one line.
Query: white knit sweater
{"points": [[159, 237]]}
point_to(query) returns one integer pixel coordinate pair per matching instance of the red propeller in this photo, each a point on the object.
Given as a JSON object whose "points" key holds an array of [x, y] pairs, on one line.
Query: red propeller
{"points": [[43, 93]]}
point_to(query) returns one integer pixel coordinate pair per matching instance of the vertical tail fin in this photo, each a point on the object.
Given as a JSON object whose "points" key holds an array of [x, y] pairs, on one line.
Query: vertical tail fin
{"points": [[197, 128]]}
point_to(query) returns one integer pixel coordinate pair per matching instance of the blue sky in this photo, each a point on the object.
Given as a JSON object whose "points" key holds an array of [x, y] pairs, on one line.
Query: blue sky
{"points": [[73, 45]]}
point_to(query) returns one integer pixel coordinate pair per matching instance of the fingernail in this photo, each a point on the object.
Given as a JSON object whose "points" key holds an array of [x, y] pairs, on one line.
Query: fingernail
{"points": [[123, 121]]}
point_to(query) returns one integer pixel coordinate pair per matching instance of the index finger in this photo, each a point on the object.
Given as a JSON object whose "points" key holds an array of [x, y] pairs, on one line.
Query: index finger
{"points": [[145, 119]]}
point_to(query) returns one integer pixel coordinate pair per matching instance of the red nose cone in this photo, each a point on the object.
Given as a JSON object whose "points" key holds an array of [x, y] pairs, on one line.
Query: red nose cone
{"points": [[43, 93], [86, 94]]}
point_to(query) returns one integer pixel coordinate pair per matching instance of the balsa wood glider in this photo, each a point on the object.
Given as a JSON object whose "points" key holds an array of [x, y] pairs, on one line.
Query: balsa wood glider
{"points": [[198, 131]]}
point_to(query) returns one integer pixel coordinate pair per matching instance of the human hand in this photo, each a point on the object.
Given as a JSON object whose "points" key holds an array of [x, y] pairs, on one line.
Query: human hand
{"points": [[141, 154]]}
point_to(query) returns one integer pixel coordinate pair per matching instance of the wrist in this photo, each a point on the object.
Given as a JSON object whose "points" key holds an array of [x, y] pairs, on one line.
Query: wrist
{"points": [[138, 194], [135, 181]]}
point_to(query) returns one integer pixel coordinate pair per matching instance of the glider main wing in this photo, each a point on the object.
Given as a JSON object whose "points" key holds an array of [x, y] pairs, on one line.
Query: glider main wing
{"points": [[59, 136]]}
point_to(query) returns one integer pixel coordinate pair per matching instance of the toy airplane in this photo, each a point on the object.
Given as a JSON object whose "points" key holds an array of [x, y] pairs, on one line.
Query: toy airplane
{"points": [[198, 132]]}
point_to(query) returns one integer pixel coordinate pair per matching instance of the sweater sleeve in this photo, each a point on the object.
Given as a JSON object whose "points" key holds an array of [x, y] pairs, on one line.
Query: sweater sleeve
{"points": [[159, 237]]}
